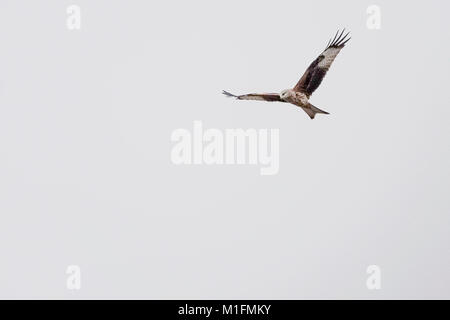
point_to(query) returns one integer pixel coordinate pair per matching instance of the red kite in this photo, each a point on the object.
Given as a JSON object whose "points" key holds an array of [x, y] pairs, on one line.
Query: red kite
{"points": [[308, 83]]}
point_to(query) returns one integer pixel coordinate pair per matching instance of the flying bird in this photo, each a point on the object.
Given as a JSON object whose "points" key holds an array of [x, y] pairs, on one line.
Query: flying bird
{"points": [[308, 83]]}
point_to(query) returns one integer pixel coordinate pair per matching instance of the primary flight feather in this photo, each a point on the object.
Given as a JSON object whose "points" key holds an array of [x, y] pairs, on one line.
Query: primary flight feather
{"points": [[308, 83]]}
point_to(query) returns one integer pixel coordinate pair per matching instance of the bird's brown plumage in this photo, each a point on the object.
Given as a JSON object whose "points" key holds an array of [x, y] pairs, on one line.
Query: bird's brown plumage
{"points": [[271, 97]]}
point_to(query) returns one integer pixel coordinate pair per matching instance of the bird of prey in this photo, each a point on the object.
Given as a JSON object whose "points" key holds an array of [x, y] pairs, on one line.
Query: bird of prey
{"points": [[308, 83]]}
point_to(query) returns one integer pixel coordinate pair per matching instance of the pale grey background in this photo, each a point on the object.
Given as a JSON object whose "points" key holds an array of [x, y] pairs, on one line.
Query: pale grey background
{"points": [[86, 176]]}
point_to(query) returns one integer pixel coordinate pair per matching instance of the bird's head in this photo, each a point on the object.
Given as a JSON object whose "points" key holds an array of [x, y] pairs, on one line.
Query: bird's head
{"points": [[285, 94]]}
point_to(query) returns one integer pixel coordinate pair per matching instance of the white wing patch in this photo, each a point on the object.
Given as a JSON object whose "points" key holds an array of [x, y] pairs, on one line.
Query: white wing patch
{"points": [[329, 56]]}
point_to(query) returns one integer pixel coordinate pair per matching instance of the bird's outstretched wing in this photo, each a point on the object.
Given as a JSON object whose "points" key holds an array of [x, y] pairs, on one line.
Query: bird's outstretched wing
{"points": [[315, 73], [256, 96]]}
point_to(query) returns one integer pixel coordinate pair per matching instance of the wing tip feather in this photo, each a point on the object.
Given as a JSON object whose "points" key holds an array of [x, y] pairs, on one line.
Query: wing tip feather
{"points": [[339, 40], [229, 95]]}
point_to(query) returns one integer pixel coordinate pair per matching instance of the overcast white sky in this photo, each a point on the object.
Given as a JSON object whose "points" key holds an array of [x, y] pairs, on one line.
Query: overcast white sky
{"points": [[86, 177]]}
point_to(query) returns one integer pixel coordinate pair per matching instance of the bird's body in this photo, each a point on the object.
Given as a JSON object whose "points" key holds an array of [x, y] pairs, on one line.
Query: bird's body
{"points": [[308, 83]]}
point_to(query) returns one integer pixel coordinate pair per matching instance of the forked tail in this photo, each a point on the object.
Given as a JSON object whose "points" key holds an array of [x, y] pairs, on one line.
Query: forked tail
{"points": [[312, 111]]}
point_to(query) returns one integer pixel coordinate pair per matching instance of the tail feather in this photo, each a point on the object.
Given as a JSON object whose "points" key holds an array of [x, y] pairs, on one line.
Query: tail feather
{"points": [[312, 111]]}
